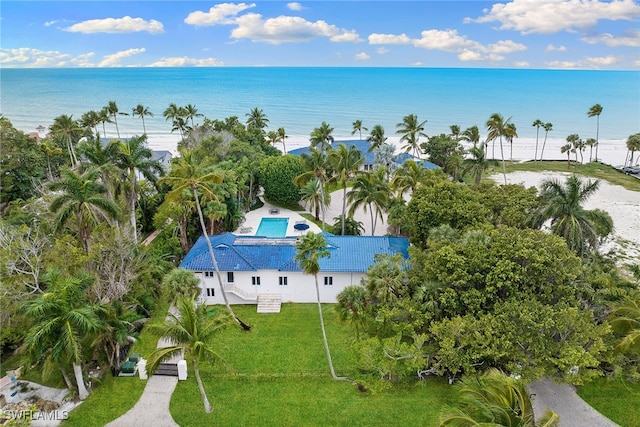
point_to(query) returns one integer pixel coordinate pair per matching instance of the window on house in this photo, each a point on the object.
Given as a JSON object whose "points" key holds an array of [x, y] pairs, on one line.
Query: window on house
{"points": [[229, 276], [328, 280], [255, 280], [211, 292], [282, 280], [208, 274]]}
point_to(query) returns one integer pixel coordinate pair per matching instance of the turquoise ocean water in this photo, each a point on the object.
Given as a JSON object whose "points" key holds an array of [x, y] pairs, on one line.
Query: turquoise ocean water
{"points": [[301, 98]]}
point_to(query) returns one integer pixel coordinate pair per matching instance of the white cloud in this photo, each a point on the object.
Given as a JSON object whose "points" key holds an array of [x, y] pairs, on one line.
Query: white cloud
{"points": [[448, 40], [36, 58], [521, 64], [588, 62], [223, 13], [636, 63], [630, 40], [468, 50], [287, 29], [362, 56], [389, 39], [186, 62], [470, 55], [417, 64], [113, 60], [551, 16], [50, 23], [552, 48], [382, 50], [294, 6], [126, 24]]}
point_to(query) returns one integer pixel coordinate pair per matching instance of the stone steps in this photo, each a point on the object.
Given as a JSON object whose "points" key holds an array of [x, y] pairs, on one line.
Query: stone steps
{"points": [[269, 303], [167, 369]]}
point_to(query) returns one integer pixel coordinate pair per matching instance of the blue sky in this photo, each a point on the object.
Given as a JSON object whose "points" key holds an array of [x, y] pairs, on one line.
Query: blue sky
{"points": [[583, 34]]}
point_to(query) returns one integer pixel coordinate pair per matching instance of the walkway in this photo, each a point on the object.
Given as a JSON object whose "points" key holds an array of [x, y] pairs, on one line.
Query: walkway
{"points": [[564, 401]]}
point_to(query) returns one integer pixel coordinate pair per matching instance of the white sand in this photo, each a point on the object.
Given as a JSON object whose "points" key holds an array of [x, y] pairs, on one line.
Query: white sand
{"points": [[623, 205]]}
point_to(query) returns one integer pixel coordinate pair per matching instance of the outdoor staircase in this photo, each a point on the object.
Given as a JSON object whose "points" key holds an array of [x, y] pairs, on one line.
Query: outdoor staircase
{"points": [[269, 303], [167, 369]]}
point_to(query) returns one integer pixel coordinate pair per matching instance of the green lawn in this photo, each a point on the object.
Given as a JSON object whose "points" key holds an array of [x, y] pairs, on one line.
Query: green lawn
{"points": [[277, 374], [615, 398]]}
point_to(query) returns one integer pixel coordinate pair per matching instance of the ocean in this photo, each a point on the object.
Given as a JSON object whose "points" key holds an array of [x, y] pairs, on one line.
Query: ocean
{"points": [[299, 99]]}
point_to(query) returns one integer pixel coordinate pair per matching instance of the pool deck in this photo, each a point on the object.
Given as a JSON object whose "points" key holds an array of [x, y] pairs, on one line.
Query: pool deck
{"points": [[253, 218]]}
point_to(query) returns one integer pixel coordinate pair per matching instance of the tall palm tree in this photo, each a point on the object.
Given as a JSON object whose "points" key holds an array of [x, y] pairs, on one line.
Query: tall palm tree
{"points": [[497, 127], [51, 149], [283, 136], [370, 191], [510, 133], [455, 131], [315, 196], [561, 203], [172, 112], [477, 164], [119, 321], [471, 134], [65, 127], [407, 178], [590, 142], [142, 112], [596, 110], [103, 116], [102, 157], [566, 148], [62, 318], [633, 145], [114, 112], [190, 331], [272, 137], [310, 250], [577, 145], [91, 119], [625, 321], [547, 128], [133, 156], [188, 175], [537, 123], [376, 137], [411, 130], [321, 136], [495, 399], [345, 162], [352, 305], [83, 196], [190, 113], [318, 168], [358, 127], [256, 118]]}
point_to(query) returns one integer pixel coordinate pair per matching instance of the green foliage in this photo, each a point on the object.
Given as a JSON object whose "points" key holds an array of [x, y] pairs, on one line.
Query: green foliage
{"points": [[511, 205], [351, 226], [440, 148], [181, 283], [276, 177], [443, 202]]}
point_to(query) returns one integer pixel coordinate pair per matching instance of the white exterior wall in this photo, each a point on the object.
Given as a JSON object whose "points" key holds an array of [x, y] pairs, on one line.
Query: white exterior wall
{"points": [[300, 287]]}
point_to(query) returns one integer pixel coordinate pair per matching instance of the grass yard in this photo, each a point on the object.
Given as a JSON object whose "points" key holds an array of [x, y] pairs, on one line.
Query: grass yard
{"points": [[277, 374], [615, 398]]}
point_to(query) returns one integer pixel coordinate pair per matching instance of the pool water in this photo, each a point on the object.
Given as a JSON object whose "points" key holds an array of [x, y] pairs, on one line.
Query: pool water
{"points": [[273, 227]]}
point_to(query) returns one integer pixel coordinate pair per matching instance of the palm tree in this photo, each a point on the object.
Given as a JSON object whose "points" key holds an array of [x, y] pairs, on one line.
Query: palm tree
{"points": [[625, 321], [321, 136], [633, 145], [119, 322], [358, 127], [190, 331], [455, 131], [172, 112], [103, 116], [376, 138], [256, 118], [62, 318], [345, 162], [547, 127], [272, 137], [135, 157], [315, 196], [187, 174], [352, 305], [477, 164], [510, 133], [596, 110], [471, 134], [370, 191], [537, 123], [65, 127], [590, 142], [91, 119], [180, 124], [411, 131], [577, 145], [83, 196], [567, 149], [310, 250], [51, 149], [317, 168], [102, 157], [408, 177], [142, 112], [190, 113], [283, 136], [561, 203], [497, 127], [112, 109], [495, 399]]}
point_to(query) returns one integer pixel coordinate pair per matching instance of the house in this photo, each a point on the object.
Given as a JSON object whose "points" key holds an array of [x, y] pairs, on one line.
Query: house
{"points": [[369, 156], [251, 266]]}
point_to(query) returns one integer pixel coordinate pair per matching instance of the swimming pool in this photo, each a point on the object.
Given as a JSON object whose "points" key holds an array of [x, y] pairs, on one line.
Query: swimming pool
{"points": [[273, 227]]}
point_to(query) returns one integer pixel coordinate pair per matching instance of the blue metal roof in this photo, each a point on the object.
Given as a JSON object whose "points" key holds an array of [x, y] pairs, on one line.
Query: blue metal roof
{"points": [[354, 254], [363, 146]]}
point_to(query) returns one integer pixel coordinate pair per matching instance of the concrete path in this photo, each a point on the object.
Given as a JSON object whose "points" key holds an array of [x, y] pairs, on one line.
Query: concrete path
{"points": [[564, 401], [153, 407]]}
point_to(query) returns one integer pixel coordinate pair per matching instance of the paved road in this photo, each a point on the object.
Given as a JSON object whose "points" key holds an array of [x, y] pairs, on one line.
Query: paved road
{"points": [[564, 401]]}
